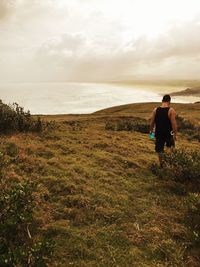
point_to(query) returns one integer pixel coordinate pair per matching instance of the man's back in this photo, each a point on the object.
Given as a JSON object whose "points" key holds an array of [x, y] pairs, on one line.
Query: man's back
{"points": [[163, 125]]}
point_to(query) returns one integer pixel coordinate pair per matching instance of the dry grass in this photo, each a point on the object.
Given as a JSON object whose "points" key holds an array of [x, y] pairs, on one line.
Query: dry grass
{"points": [[143, 110], [104, 207]]}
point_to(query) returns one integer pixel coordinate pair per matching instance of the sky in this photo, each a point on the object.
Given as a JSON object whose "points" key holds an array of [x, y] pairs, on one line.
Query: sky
{"points": [[99, 40]]}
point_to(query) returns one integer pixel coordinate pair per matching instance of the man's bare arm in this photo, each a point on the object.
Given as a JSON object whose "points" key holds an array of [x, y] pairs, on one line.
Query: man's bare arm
{"points": [[152, 122], [173, 121]]}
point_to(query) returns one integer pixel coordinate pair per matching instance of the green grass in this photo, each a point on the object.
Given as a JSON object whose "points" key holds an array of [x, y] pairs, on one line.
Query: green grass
{"points": [[103, 206], [143, 110]]}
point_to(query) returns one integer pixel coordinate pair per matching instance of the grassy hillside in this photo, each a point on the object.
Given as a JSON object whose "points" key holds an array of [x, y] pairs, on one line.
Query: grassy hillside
{"points": [[143, 110], [102, 204]]}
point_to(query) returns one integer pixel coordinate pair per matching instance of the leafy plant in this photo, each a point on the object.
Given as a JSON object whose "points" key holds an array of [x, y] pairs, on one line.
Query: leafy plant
{"points": [[128, 124], [181, 165], [188, 128], [184, 124], [22, 242], [14, 118], [12, 149], [193, 215]]}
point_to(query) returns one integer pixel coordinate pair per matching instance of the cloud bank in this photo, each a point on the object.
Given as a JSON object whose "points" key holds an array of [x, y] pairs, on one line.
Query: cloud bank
{"points": [[6, 6], [70, 41]]}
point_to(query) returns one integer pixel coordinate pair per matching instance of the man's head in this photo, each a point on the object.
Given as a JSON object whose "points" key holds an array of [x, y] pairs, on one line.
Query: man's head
{"points": [[166, 99]]}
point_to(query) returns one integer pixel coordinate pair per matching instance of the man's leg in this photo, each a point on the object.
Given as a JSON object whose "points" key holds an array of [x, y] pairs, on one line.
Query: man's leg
{"points": [[159, 148], [170, 143], [160, 158]]}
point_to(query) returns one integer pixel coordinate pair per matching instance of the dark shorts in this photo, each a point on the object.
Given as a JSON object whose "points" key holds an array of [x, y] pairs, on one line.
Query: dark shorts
{"points": [[160, 143]]}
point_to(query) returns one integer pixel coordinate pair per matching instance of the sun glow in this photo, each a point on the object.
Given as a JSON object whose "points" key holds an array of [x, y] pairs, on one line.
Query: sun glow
{"points": [[137, 17]]}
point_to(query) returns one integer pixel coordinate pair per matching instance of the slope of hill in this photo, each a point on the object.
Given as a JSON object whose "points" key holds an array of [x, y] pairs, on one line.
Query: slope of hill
{"points": [[103, 206], [188, 111], [188, 92]]}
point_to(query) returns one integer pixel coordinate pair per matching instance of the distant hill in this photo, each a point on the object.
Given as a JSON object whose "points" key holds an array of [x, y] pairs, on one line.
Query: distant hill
{"points": [[189, 91]]}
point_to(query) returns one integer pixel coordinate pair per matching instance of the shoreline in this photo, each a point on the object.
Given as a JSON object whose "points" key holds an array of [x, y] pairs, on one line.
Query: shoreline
{"points": [[118, 107], [83, 98]]}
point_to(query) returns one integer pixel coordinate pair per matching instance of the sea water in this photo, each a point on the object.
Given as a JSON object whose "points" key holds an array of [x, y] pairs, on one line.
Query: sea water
{"points": [[76, 98]]}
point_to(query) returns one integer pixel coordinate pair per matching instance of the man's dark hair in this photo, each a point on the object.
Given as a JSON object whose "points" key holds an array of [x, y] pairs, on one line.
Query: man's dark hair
{"points": [[166, 98]]}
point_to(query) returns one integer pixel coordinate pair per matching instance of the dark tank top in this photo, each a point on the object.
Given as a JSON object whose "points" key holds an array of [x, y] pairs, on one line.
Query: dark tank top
{"points": [[163, 123]]}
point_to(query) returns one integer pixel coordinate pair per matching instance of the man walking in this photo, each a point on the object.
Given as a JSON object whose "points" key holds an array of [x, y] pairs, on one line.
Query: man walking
{"points": [[164, 121]]}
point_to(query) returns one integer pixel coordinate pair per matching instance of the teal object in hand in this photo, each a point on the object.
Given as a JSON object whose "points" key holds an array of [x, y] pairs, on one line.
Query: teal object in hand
{"points": [[152, 135]]}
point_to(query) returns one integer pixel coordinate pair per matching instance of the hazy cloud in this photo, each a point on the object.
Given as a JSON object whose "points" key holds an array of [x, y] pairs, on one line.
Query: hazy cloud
{"points": [[6, 6], [69, 40], [75, 56]]}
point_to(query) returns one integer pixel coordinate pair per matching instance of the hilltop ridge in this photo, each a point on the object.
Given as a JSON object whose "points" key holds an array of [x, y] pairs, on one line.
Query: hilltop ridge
{"points": [[143, 110]]}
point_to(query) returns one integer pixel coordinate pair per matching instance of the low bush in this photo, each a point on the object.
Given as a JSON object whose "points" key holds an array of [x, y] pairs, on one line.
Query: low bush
{"points": [[195, 135], [184, 168], [128, 124], [193, 216], [184, 124], [181, 165], [19, 243], [22, 242], [110, 126], [3, 163], [13, 118], [11, 149], [187, 127]]}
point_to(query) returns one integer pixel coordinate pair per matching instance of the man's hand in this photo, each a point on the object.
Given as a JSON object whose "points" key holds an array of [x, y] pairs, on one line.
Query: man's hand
{"points": [[172, 116]]}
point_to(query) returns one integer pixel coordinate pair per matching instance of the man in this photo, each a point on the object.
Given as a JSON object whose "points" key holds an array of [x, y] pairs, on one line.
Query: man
{"points": [[164, 121]]}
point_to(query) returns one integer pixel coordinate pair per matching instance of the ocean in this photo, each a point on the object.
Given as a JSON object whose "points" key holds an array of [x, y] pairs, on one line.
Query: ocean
{"points": [[79, 98]]}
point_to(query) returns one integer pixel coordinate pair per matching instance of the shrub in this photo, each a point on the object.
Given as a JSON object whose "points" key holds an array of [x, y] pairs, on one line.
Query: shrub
{"points": [[193, 216], [142, 127], [196, 135], [110, 126], [184, 124], [37, 125], [51, 126], [128, 124], [181, 166], [13, 118], [12, 150], [22, 243], [188, 128], [3, 162], [184, 167]]}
